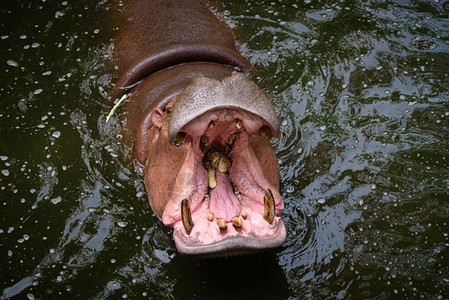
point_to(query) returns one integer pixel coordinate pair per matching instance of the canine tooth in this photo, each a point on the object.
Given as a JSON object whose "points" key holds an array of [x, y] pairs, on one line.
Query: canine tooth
{"points": [[265, 131], [186, 216], [237, 222], [211, 124], [221, 223], [244, 215], [239, 124], [268, 204], [211, 178], [204, 142], [207, 198], [210, 217], [180, 138], [224, 164]]}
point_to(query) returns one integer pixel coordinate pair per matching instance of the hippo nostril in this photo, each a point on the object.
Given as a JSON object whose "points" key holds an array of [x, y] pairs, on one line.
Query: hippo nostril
{"points": [[180, 138]]}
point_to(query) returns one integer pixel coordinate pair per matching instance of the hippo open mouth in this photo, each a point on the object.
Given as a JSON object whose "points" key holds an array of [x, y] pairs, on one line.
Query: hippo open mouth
{"points": [[225, 197]]}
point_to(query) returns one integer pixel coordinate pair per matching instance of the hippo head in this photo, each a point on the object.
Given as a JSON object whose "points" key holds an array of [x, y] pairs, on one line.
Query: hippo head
{"points": [[210, 171]]}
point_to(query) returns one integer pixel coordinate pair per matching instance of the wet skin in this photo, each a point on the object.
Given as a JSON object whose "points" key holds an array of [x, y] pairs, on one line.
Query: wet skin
{"points": [[201, 128]]}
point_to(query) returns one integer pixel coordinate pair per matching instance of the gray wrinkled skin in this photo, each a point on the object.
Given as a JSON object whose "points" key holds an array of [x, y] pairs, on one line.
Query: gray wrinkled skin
{"points": [[206, 94]]}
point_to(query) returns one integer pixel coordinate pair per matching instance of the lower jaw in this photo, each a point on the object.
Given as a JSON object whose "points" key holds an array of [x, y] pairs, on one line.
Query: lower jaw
{"points": [[232, 244]]}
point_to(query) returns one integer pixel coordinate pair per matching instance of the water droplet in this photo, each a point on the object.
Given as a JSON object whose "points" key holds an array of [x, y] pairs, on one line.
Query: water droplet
{"points": [[122, 224], [12, 63], [56, 200], [5, 172]]}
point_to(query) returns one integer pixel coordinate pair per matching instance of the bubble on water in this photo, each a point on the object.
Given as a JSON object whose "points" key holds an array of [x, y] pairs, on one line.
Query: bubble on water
{"points": [[139, 194], [56, 200], [56, 134], [96, 31], [290, 189], [321, 201], [322, 128], [113, 260], [35, 45], [58, 278], [122, 224], [12, 63], [5, 172], [22, 37], [46, 73], [32, 191], [10, 253], [58, 14], [3, 158], [38, 91], [26, 237], [373, 186], [4, 37]]}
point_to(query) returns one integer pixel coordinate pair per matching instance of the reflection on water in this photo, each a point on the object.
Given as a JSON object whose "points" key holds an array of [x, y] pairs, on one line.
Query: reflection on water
{"points": [[361, 89]]}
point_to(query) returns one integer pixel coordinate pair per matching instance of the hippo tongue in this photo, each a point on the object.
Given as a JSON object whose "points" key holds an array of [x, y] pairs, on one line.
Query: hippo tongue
{"points": [[223, 203]]}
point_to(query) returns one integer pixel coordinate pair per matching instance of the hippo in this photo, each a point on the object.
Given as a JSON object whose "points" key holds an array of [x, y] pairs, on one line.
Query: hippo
{"points": [[200, 128]]}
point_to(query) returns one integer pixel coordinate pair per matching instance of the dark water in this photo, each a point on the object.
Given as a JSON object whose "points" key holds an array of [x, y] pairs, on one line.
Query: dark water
{"points": [[362, 89]]}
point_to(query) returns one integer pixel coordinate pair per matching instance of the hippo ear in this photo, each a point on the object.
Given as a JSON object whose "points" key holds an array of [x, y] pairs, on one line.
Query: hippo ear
{"points": [[157, 117]]}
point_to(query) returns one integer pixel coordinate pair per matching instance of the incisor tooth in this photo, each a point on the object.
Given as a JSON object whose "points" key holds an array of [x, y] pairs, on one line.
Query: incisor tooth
{"points": [[268, 205], [212, 180], [186, 216], [237, 222], [265, 131], [210, 217], [244, 215], [180, 138], [221, 223]]}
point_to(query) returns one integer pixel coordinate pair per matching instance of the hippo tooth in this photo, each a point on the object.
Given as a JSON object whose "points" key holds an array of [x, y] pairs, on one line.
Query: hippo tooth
{"points": [[244, 215], [237, 222], [210, 217], [224, 164], [230, 143], [186, 216], [236, 191], [268, 204], [211, 124], [265, 131], [221, 223], [212, 180], [239, 124], [180, 138], [214, 158], [204, 142]]}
